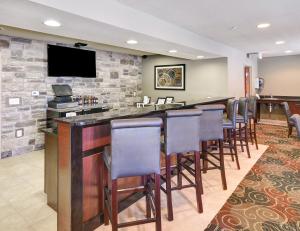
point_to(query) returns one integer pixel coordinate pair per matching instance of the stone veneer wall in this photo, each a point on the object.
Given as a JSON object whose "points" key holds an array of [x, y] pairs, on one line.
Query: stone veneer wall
{"points": [[24, 69]]}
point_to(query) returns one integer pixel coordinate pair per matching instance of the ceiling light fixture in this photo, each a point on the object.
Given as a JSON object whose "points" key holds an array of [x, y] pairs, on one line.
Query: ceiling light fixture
{"points": [[200, 57], [279, 42], [173, 51], [263, 25], [132, 42], [52, 23], [288, 51]]}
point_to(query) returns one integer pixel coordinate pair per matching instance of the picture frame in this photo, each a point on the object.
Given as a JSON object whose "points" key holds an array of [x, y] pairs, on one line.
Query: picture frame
{"points": [[169, 99], [169, 77], [160, 100]]}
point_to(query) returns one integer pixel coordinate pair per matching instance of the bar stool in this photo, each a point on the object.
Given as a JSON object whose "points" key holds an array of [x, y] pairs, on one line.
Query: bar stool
{"points": [[242, 118], [211, 129], [229, 126], [252, 115], [182, 137], [134, 151]]}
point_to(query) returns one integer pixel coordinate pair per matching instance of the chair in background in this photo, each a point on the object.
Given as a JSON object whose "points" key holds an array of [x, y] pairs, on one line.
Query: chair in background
{"points": [[229, 126], [288, 115], [252, 116], [134, 151], [181, 138], [211, 130]]}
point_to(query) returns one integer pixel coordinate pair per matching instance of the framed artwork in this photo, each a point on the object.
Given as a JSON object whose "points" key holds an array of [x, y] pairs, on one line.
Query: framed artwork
{"points": [[169, 77]]}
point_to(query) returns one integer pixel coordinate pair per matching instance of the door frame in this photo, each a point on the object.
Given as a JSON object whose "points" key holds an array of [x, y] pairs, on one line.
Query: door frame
{"points": [[247, 81]]}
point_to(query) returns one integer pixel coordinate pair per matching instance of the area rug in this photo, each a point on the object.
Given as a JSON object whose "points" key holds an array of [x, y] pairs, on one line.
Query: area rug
{"points": [[269, 196]]}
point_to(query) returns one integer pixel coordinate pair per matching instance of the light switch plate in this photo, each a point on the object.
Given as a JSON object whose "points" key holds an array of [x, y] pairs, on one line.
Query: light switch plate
{"points": [[14, 101], [19, 133], [35, 93]]}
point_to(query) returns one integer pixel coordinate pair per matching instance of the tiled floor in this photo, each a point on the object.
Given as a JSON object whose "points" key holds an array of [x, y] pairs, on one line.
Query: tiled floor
{"points": [[23, 203]]}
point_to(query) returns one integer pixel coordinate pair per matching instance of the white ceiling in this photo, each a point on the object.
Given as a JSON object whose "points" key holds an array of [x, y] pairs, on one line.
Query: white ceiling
{"points": [[194, 27], [215, 19], [97, 21]]}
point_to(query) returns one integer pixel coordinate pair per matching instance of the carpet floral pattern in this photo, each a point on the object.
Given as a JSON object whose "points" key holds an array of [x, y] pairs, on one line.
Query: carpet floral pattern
{"points": [[268, 198]]}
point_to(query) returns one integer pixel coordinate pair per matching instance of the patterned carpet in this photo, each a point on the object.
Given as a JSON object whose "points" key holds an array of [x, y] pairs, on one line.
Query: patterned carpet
{"points": [[269, 196]]}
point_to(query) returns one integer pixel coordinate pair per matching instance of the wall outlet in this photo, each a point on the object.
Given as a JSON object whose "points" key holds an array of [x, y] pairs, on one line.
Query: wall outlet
{"points": [[19, 132], [14, 101], [35, 93]]}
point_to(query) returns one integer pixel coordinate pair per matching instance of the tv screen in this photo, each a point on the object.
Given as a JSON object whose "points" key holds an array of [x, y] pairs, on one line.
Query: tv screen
{"points": [[67, 61]]}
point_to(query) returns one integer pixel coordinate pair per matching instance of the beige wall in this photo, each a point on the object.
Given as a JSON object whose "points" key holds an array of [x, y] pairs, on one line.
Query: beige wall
{"points": [[281, 75], [236, 82], [203, 77]]}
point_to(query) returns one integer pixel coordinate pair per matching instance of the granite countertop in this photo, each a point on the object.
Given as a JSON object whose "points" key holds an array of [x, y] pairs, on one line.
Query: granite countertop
{"points": [[78, 108], [131, 112]]}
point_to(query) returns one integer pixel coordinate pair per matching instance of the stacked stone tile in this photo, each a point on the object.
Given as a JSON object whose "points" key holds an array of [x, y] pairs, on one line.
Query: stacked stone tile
{"points": [[24, 69]]}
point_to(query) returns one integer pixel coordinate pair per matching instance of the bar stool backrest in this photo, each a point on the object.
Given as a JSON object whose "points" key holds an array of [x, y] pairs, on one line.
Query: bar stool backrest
{"points": [[211, 122], [243, 108], [287, 110], [182, 131], [231, 109], [135, 147], [253, 105]]}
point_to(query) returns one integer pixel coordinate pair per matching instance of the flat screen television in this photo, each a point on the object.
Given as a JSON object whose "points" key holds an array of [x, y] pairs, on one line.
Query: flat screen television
{"points": [[74, 62]]}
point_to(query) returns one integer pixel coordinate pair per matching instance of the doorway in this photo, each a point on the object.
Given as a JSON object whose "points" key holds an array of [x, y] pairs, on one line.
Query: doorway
{"points": [[247, 79]]}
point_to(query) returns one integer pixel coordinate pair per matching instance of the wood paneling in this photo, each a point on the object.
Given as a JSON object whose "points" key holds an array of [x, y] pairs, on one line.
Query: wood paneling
{"points": [[51, 164], [92, 185], [64, 177], [93, 137], [294, 107]]}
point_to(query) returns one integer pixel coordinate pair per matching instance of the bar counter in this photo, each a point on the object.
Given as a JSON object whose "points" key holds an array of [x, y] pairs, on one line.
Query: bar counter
{"points": [[81, 141], [265, 101]]}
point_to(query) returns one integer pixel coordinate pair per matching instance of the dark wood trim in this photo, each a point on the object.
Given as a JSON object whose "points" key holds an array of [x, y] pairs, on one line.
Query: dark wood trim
{"points": [[76, 181], [92, 151], [93, 223]]}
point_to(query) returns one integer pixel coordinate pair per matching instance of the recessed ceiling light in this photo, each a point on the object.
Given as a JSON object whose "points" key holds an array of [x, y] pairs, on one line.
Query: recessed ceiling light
{"points": [[172, 51], [263, 25], [279, 42], [200, 57], [233, 28], [288, 51], [52, 23], [131, 42]]}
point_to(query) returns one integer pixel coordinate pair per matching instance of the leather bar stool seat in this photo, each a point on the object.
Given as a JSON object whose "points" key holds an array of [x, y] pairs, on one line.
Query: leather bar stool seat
{"points": [[211, 130], [229, 127], [181, 138], [252, 117], [134, 151], [242, 121], [227, 123]]}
